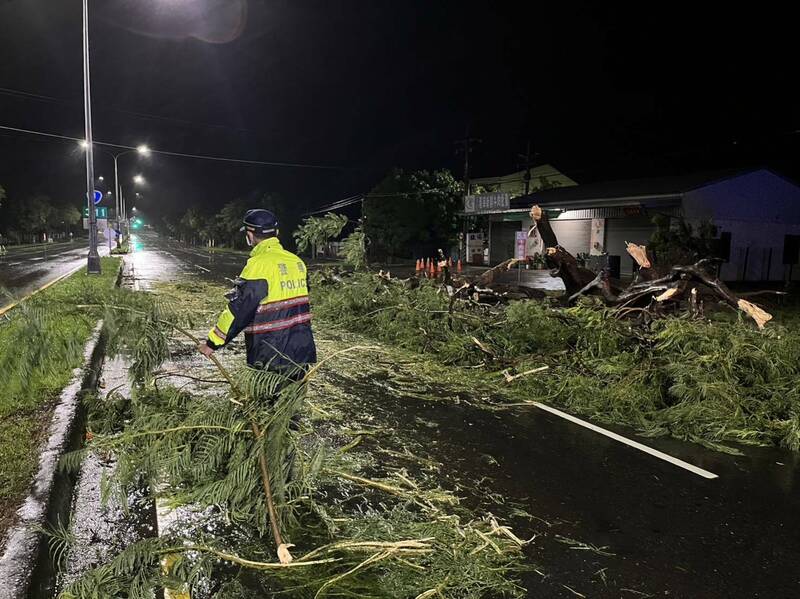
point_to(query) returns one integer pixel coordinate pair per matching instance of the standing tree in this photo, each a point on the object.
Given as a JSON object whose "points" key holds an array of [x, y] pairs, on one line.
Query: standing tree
{"points": [[413, 212], [191, 225], [230, 220], [35, 215], [67, 217]]}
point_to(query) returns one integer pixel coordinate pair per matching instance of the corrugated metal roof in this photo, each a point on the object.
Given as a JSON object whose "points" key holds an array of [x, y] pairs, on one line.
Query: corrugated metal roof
{"points": [[659, 188]]}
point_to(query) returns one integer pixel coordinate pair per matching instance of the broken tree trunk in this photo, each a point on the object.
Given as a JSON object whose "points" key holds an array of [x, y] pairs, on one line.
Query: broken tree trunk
{"points": [[563, 264], [652, 286]]}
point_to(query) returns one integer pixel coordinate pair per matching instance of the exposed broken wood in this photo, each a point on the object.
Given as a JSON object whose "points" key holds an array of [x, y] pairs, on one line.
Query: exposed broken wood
{"points": [[651, 287], [539, 217], [484, 348], [668, 294], [488, 277], [639, 254], [656, 289], [513, 377], [760, 316]]}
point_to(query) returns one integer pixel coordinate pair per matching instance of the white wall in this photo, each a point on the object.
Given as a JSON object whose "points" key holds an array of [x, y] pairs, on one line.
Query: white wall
{"points": [[756, 240], [759, 209]]}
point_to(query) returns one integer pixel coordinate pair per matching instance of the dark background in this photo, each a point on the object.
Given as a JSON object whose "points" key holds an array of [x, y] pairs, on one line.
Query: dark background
{"points": [[601, 92]]}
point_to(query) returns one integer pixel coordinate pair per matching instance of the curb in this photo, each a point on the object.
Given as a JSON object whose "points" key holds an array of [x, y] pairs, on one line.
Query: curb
{"points": [[24, 540], [51, 493]]}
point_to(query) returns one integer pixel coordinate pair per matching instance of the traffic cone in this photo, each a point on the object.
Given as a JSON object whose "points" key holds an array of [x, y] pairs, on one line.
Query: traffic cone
{"points": [[458, 266], [449, 262], [417, 266]]}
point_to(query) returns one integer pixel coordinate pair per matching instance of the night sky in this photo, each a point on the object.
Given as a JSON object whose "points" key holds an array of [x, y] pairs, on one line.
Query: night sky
{"points": [[601, 92]]}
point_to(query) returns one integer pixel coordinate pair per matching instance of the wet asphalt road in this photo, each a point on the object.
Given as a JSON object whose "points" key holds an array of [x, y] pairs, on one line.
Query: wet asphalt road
{"points": [[670, 533], [25, 269]]}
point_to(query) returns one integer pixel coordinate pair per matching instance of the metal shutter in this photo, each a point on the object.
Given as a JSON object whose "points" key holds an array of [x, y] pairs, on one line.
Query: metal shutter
{"points": [[573, 235], [503, 240]]}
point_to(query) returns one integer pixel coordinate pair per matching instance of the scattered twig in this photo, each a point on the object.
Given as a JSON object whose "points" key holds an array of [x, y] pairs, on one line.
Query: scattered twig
{"points": [[512, 377]]}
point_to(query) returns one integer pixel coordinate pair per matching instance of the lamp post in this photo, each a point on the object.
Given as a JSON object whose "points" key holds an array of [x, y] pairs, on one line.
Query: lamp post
{"points": [[137, 180], [142, 150], [93, 258], [119, 206]]}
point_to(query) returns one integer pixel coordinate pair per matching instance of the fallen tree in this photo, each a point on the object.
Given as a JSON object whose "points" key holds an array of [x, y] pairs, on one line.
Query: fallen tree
{"points": [[711, 380], [654, 290]]}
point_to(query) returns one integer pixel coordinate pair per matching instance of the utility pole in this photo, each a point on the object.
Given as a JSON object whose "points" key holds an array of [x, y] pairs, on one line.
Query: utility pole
{"points": [[465, 145], [93, 258], [527, 162]]}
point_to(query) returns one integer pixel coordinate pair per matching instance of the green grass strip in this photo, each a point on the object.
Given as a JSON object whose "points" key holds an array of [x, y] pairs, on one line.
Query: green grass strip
{"points": [[41, 342]]}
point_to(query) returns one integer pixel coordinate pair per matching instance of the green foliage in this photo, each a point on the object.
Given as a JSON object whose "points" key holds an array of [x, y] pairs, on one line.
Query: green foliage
{"points": [[123, 248], [41, 342], [191, 225], [222, 228], [409, 210], [23, 218], [706, 381], [386, 536], [680, 244], [315, 231], [355, 249]]}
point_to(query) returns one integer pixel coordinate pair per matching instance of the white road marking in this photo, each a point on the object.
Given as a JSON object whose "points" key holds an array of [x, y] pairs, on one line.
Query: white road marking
{"points": [[5, 309], [39, 258], [202, 268], [13, 263], [629, 442]]}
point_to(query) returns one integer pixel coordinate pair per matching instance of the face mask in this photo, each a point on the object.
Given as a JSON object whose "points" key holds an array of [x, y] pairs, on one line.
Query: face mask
{"points": [[247, 239]]}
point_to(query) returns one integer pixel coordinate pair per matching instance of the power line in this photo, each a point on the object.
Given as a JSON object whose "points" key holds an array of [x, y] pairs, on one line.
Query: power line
{"points": [[145, 115], [338, 205], [349, 201], [178, 154]]}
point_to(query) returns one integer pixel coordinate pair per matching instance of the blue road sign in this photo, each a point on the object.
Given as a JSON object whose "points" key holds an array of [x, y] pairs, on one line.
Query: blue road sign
{"points": [[98, 196]]}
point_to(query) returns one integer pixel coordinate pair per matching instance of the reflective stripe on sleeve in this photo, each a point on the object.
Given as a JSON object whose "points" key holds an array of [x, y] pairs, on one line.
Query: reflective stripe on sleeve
{"points": [[217, 336], [278, 325]]}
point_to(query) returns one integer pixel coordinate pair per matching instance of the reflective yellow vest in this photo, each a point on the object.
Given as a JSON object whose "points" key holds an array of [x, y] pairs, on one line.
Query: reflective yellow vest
{"points": [[270, 304]]}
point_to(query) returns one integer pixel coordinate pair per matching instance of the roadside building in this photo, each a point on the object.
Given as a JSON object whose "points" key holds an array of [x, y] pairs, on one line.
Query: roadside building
{"points": [[756, 212], [492, 226]]}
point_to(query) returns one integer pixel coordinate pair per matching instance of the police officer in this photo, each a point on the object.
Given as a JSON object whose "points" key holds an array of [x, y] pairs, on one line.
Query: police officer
{"points": [[269, 302]]}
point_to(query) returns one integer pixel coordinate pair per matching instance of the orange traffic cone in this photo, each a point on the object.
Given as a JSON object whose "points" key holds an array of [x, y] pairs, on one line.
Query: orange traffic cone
{"points": [[458, 266], [417, 266]]}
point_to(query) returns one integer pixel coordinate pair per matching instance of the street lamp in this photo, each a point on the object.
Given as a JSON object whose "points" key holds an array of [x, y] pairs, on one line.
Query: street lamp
{"points": [[93, 258], [119, 204]]}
